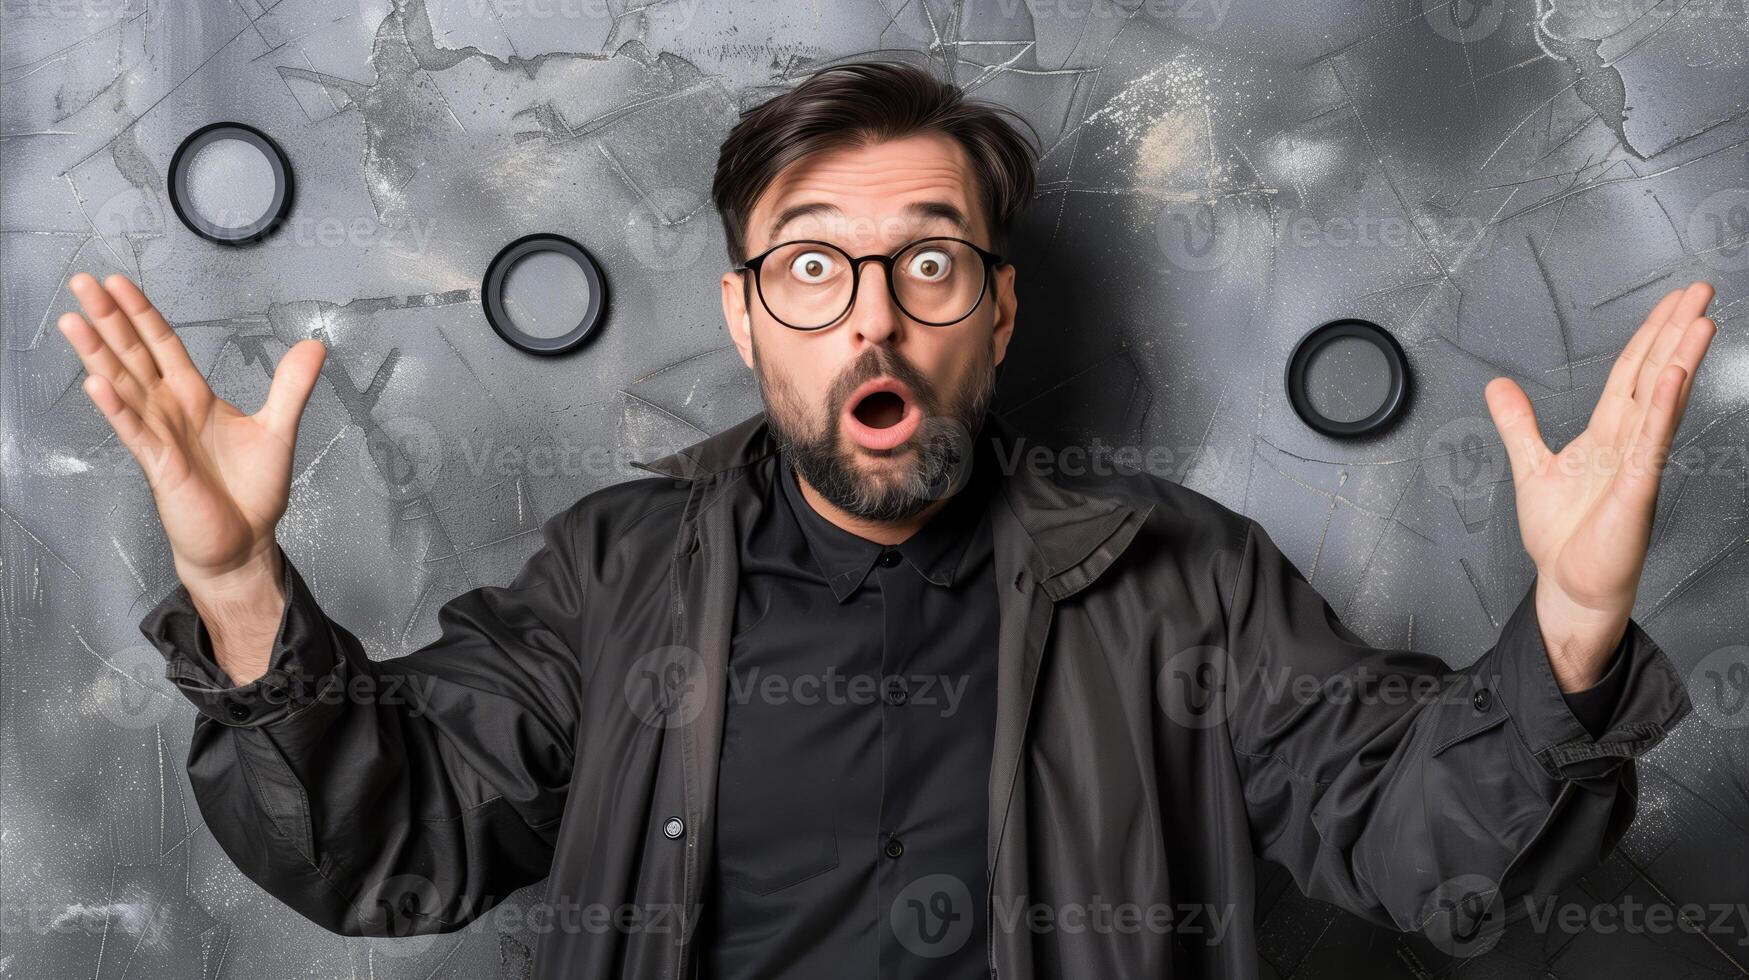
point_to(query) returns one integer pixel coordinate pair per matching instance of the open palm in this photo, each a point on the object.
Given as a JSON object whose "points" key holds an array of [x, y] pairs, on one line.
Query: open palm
{"points": [[1585, 513], [220, 478]]}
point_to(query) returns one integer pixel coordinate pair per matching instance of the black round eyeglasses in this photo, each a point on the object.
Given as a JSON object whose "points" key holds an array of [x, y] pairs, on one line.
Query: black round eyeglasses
{"points": [[810, 285]]}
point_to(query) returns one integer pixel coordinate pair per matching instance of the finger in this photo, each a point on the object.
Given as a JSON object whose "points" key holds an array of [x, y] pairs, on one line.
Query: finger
{"points": [[1516, 420], [1637, 485], [1701, 292], [1695, 342], [99, 360], [1692, 304], [167, 349], [115, 328], [293, 380], [140, 441], [1627, 365]]}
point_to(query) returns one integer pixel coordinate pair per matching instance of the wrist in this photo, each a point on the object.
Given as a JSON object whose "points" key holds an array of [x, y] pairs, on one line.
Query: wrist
{"points": [[256, 576], [241, 610], [1579, 638]]}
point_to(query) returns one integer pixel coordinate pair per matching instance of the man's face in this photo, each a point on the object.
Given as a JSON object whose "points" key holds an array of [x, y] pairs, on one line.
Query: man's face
{"points": [[882, 456]]}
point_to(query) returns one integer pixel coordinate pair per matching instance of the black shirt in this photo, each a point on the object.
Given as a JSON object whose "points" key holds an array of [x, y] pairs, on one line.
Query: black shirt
{"points": [[853, 786]]}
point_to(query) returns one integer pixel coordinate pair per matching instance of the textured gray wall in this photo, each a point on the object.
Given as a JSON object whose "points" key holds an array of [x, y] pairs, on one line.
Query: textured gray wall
{"points": [[1506, 197]]}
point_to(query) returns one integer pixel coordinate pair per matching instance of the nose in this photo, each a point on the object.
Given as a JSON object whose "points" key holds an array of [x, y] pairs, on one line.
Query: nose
{"points": [[875, 318]]}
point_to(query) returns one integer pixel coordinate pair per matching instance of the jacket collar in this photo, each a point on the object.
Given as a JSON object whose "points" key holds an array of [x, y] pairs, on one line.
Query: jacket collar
{"points": [[1072, 533]]}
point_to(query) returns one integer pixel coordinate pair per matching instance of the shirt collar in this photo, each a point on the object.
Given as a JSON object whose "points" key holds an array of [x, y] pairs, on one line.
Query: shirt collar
{"points": [[936, 550]]}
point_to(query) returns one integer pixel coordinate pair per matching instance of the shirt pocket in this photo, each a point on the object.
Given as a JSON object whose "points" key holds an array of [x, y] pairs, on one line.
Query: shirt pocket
{"points": [[775, 830]]}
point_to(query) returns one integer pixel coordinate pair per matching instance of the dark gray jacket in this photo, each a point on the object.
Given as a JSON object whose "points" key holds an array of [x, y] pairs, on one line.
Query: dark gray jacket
{"points": [[1174, 699]]}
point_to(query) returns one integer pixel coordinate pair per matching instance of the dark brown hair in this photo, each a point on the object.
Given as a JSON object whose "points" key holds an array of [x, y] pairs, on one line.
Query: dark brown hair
{"points": [[865, 102]]}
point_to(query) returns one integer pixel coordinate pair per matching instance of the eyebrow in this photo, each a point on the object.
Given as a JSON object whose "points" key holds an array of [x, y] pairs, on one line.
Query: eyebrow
{"points": [[921, 210]]}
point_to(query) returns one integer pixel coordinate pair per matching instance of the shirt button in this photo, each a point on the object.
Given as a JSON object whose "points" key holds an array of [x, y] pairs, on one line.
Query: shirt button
{"points": [[889, 558], [895, 847], [673, 827], [239, 712], [1483, 700]]}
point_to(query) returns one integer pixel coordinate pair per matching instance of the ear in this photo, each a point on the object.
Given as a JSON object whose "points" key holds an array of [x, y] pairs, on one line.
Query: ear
{"points": [[1007, 306], [737, 317]]}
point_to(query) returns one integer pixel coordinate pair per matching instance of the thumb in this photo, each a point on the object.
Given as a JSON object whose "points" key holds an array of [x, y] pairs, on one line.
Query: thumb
{"points": [[293, 380], [1516, 420]]}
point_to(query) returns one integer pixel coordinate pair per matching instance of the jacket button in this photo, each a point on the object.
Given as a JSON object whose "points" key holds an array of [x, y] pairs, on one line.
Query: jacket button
{"points": [[239, 712], [895, 847], [673, 827], [889, 558], [1483, 700]]}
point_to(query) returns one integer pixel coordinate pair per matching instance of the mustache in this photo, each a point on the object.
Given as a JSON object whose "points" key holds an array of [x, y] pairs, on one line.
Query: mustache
{"points": [[881, 362]]}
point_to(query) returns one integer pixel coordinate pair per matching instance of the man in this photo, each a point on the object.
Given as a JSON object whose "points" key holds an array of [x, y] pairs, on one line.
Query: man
{"points": [[856, 687]]}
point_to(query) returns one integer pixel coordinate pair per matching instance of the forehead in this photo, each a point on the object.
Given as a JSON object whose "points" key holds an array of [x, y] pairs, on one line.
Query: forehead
{"points": [[871, 195]]}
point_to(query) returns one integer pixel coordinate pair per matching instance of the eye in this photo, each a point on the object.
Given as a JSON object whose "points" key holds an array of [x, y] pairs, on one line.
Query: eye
{"points": [[813, 267], [929, 265]]}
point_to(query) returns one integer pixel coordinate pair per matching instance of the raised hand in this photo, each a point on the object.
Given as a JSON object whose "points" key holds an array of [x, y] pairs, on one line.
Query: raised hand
{"points": [[1585, 513], [220, 478]]}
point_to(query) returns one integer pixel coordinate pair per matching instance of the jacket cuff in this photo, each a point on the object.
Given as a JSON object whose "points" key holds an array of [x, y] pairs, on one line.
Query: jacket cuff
{"points": [[300, 671], [1649, 698], [1594, 705]]}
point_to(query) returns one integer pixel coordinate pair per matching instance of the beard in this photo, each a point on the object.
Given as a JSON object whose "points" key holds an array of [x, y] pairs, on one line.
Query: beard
{"points": [[934, 463]]}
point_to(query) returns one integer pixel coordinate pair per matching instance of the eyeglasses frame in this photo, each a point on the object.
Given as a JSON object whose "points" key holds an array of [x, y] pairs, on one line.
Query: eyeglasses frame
{"points": [[992, 262]]}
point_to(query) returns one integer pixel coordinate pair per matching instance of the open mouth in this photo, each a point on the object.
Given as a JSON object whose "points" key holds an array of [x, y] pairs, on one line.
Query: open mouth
{"points": [[881, 410], [882, 414]]}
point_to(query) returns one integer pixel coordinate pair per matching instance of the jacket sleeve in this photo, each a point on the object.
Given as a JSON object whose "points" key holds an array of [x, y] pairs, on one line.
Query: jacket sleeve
{"points": [[1419, 796], [396, 797]]}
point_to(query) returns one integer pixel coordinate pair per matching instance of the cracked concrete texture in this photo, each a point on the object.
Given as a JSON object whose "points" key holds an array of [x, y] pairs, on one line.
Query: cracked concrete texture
{"points": [[1506, 186]]}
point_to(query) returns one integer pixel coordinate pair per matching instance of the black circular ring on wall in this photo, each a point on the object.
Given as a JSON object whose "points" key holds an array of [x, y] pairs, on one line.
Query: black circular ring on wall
{"points": [[498, 273], [181, 197], [1396, 394]]}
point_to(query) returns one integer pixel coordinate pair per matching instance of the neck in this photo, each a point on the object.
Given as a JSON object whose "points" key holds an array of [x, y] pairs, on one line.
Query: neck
{"points": [[880, 532]]}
